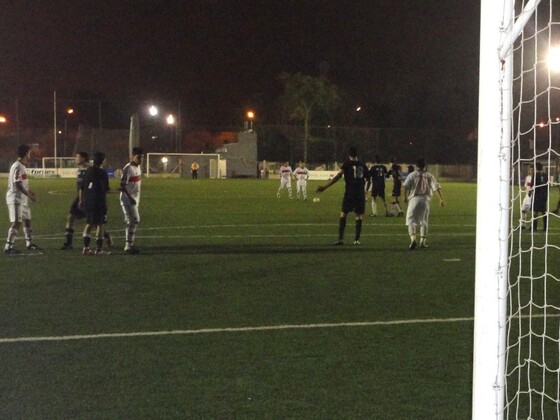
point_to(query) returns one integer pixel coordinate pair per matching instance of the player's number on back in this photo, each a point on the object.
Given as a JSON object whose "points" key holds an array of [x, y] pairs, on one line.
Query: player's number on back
{"points": [[358, 172]]}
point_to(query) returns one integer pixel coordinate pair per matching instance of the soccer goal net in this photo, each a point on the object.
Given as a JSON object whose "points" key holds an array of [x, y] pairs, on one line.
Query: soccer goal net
{"points": [[63, 167], [517, 298], [182, 164]]}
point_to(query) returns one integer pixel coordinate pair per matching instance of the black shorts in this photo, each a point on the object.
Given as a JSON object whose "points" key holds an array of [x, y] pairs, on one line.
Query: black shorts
{"points": [[76, 211], [378, 190], [539, 204], [397, 187], [96, 216], [354, 202]]}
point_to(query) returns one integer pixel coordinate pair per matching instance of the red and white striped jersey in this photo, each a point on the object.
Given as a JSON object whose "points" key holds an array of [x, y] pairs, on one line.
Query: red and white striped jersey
{"points": [[302, 174], [131, 180], [17, 174], [285, 172]]}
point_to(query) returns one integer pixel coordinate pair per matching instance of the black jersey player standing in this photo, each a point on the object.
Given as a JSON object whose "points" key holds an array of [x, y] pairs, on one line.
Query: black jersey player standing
{"points": [[355, 174], [540, 196], [76, 211], [95, 187], [396, 173], [378, 173]]}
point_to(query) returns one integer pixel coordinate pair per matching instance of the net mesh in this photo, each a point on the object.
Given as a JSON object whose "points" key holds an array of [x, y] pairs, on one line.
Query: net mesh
{"points": [[533, 344]]}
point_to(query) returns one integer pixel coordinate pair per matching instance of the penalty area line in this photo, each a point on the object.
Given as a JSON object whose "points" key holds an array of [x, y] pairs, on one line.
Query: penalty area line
{"points": [[235, 330]]}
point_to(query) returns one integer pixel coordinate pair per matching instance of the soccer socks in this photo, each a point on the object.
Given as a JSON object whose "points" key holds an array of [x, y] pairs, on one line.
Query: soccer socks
{"points": [[358, 229], [341, 228], [373, 207], [69, 236], [99, 243], [28, 238], [130, 234], [87, 240], [12, 233]]}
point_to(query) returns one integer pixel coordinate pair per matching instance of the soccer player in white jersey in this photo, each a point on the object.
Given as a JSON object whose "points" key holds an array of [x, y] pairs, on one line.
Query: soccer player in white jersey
{"points": [[131, 181], [17, 199], [419, 186], [526, 206], [302, 175], [285, 179]]}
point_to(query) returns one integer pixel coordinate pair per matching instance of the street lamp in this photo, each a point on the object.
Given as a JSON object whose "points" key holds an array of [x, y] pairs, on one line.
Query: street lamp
{"points": [[170, 119], [251, 117], [3, 119], [69, 111]]}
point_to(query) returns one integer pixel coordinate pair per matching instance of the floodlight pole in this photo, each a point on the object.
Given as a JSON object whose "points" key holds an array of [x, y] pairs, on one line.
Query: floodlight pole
{"points": [[55, 136]]}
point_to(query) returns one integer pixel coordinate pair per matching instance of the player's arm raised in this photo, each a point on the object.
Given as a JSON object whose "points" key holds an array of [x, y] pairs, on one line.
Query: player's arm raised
{"points": [[331, 182]]}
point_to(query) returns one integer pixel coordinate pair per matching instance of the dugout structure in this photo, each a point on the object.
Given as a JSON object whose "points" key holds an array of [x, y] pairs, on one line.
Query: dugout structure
{"points": [[179, 165]]}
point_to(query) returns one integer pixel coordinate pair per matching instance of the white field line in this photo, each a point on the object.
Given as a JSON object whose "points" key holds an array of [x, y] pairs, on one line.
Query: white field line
{"points": [[240, 236], [236, 329], [284, 327]]}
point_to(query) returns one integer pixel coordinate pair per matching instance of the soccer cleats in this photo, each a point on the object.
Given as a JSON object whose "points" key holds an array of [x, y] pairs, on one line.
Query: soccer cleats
{"points": [[132, 250]]}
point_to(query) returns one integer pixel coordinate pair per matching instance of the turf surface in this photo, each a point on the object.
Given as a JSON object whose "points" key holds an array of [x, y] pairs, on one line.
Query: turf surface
{"points": [[220, 254]]}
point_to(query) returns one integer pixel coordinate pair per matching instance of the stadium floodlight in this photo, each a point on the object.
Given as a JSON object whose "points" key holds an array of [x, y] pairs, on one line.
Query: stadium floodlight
{"points": [[3, 120], [153, 110], [554, 59], [170, 119]]}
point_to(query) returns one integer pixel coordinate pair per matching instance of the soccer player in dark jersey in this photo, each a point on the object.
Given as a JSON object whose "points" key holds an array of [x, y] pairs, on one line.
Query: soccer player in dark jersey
{"points": [[396, 173], [355, 174], [77, 208], [540, 196], [378, 173], [95, 187]]}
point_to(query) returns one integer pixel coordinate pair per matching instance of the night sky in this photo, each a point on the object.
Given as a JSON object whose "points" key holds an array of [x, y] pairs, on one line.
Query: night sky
{"points": [[417, 59]]}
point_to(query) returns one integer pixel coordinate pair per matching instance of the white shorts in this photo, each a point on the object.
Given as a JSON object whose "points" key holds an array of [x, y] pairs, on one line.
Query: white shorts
{"points": [[19, 212], [302, 185], [526, 205], [285, 183], [418, 211], [131, 213]]}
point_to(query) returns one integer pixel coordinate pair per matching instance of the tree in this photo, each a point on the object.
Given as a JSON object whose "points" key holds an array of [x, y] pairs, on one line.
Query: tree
{"points": [[305, 97]]}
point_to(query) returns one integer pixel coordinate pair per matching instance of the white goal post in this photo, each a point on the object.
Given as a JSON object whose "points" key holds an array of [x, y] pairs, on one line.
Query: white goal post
{"points": [[179, 164], [516, 365]]}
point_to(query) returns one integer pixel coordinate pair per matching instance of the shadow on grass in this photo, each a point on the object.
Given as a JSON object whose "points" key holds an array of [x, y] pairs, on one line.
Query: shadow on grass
{"points": [[251, 249]]}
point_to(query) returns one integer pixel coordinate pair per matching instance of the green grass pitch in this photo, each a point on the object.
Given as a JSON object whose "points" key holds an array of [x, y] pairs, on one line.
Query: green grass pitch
{"points": [[226, 254]]}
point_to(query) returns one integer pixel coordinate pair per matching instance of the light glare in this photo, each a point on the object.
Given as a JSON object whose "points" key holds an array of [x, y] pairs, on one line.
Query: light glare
{"points": [[153, 110], [554, 59], [170, 119]]}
